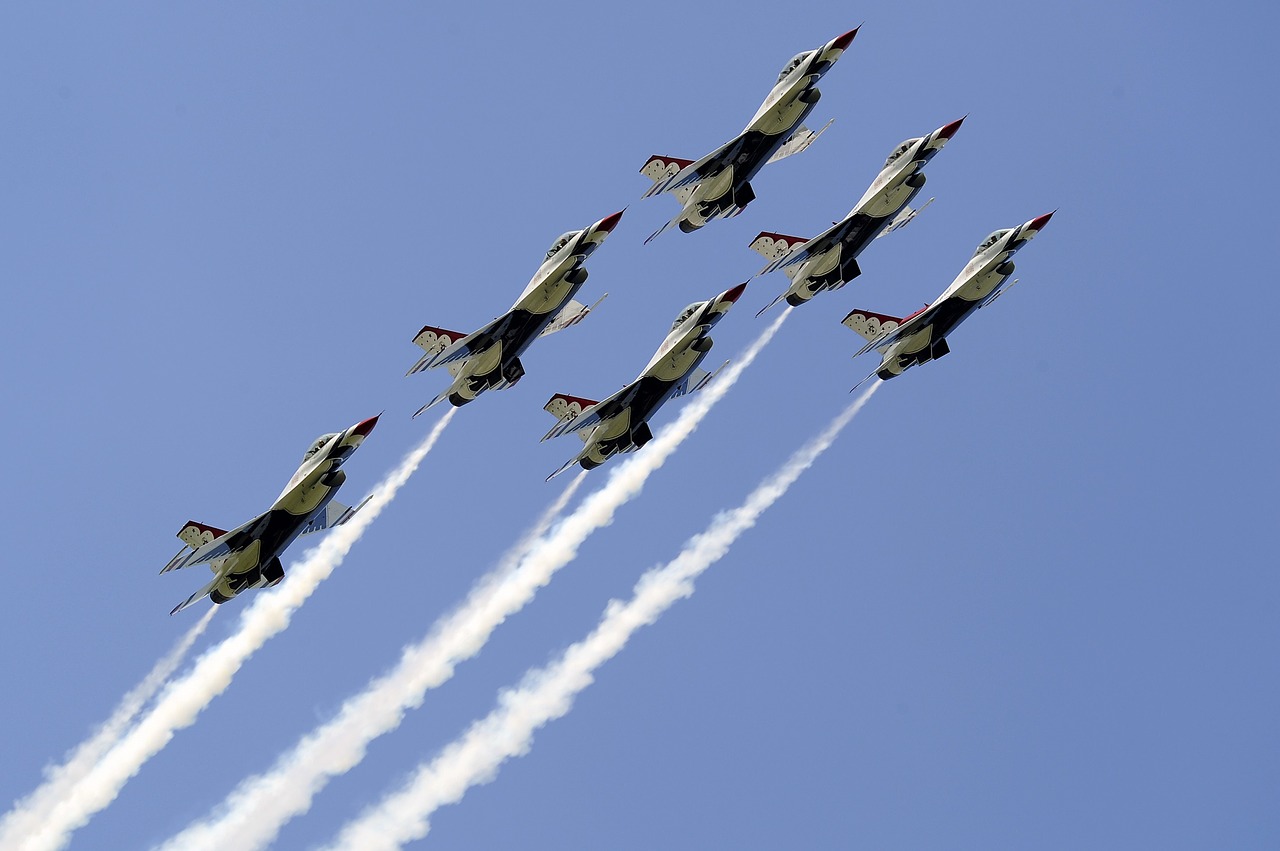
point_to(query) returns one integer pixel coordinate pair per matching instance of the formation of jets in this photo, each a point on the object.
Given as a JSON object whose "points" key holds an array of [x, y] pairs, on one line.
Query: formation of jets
{"points": [[717, 186]]}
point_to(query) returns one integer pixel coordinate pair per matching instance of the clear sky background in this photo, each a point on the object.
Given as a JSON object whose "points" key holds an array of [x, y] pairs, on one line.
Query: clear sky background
{"points": [[1027, 600]]}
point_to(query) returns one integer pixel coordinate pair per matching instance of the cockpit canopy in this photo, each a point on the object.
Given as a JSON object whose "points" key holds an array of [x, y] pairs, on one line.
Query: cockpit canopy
{"points": [[900, 150], [990, 241], [319, 443], [687, 312], [793, 64], [561, 243]]}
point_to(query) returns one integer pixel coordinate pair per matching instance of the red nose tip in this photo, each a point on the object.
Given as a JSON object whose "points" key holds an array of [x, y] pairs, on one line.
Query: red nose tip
{"points": [[735, 293], [1038, 223], [950, 130], [843, 42], [611, 222], [365, 427]]}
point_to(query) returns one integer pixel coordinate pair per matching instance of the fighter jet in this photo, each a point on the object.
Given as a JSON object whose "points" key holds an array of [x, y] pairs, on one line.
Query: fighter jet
{"points": [[719, 185], [620, 423], [249, 555], [922, 336], [830, 259], [489, 359]]}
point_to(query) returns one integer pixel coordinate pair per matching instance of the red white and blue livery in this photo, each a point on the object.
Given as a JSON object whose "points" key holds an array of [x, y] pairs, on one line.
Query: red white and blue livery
{"points": [[620, 423], [922, 336], [830, 259], [249, 555], [489, 359], [718, 186]]}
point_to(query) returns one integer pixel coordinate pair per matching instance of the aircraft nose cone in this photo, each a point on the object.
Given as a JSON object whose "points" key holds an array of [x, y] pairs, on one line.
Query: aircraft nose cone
{"points": [[363, 428], [611, 222], [1038, 223], [843, 42], [950, 130], [735, 293]]}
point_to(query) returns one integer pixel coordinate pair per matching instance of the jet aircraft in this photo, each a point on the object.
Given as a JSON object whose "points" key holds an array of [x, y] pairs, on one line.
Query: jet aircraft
{"points": [[620, 423], [718, 186], [922, 336], [249, 555], [830, 259], [489, 359]]}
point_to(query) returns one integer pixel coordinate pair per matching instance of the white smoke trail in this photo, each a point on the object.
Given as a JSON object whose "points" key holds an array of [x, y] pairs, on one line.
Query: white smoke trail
{"points": [[255, 811], [184, 699], [548, 693], [253, 815], [32, 810]]}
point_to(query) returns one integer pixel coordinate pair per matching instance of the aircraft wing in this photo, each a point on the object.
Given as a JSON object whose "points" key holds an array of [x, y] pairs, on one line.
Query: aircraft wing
{"points": [[576, 414], [778, 249], [663, 171], [203, 544], [444, 347], [882, 331], [688, 173], [573, 413]]}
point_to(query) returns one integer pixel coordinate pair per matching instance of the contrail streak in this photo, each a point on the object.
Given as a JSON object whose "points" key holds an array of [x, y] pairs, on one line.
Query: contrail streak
{"points": [[254, 813], [31, 811], [548, 693], [183, 700]]}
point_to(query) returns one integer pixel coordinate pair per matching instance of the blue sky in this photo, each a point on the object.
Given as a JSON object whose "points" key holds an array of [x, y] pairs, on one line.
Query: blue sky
{"points": [[1027, 600]]}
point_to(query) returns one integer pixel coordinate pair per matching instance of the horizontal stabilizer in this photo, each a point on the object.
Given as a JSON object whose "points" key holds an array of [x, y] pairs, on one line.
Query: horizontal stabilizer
{"points": [[802, 138], [437, 400], [196, 597], [565, 466], [571, 314]]}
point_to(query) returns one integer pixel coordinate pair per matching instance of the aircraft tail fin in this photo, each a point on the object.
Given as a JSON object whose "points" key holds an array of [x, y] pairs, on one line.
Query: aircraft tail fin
{"points": [[871, 326], [433, 341], [194, 536], [572, 413], [663, 172], [775, 246]]}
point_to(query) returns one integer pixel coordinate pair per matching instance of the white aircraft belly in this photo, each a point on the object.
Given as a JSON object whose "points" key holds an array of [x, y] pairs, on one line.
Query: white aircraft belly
{"points": [[239, 562], [823, 263], [713, 187]]}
